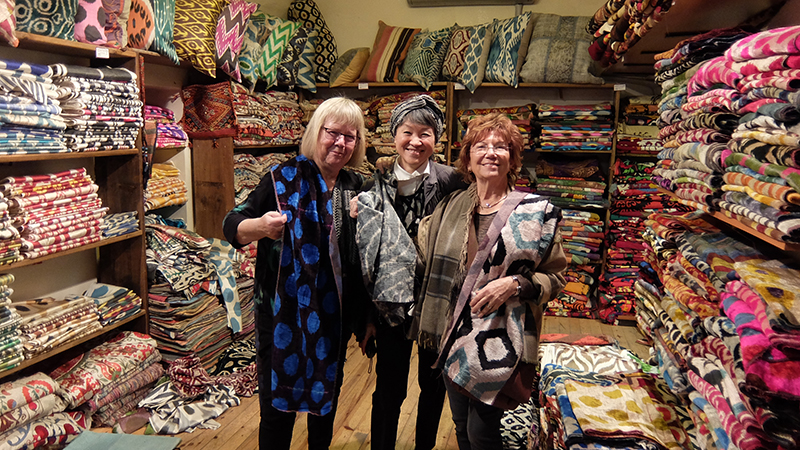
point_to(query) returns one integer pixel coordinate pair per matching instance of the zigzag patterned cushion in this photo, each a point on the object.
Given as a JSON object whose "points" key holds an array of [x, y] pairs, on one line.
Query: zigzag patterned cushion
{"points": [[141, 24], [195, 27], [509, 47], [267, 67], [164, 23], [307, 65], [424, 60], [55, 18], [476, 56], [8, 23], [231, 26], [453, 64], [258, 29], [307, 13], [388, 53], [290, 60]]}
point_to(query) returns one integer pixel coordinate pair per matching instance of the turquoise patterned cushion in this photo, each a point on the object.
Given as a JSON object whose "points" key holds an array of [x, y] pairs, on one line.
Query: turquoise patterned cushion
{"points": [[259, 27], [290, 59], [164, 11], [307, 66], [424, 60], [267, 64], [508, 49], [54, 18], [476, 56]]}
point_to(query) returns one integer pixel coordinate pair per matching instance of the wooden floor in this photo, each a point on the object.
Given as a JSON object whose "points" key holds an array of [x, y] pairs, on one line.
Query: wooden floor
{"points": [[239, 430]]}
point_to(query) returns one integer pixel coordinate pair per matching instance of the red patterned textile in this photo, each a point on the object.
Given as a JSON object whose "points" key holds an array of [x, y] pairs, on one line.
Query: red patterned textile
{"points": [[208, 111]]}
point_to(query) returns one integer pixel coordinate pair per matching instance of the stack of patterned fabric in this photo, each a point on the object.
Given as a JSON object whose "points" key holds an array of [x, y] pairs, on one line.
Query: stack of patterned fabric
{"points": [[109, 380], [57, 211], [100, 105], [31, 120], [165, 187], [576, 127], [9, 235], [48, 323], [583, 236], [268, 118], [521, 116], [248, 170], [570, 183], [114, 303], [33, 414], [118, 224], [10, 344], [382, 107], [169, 133], [637, 132]]}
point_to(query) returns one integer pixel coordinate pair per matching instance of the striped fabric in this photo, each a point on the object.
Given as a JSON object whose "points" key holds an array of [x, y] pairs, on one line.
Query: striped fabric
{"points": [[267, 66], [388, 53]]}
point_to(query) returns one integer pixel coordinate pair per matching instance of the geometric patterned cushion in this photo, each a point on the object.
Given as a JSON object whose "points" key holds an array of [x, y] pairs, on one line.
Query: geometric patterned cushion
{"points": [[90, 22], [453, 63], [8, 22], [231, 25], [307, 13], [258, 29], [164, 24], [558, 51], [267, 66], [348, 67], [508, 50], [388, 53], [141, 25], [195, 27], [290, 60], [55, 18], [307, 64], [476, 56], [424, 60]]}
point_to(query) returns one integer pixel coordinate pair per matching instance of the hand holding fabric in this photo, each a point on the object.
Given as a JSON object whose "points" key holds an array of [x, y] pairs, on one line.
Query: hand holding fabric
{"points": [[490, 297]]}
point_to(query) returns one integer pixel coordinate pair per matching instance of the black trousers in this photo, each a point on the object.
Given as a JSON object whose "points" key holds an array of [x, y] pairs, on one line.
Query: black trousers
{"points": [[477, 424], [391, 369]]}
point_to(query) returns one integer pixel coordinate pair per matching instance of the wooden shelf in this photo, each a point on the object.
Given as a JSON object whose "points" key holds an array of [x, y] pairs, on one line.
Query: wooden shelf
{"points": [[381, 84], [29, 362], [587, 152], [267, 146], [102, 242], [48, 44], [69, 155]]}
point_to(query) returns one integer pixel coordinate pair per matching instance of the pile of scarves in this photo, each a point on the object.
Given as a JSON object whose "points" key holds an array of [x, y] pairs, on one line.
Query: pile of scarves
{"points": [[571, 183], [266, 118], [723, 321], [587, 127], [169, 133], [248, 170], [521, 116], [101, 107], [114, 303], [637, 132], [583, 236], [55, 212], [30, 115], [10, 343], [47, 323], [165, 187]]}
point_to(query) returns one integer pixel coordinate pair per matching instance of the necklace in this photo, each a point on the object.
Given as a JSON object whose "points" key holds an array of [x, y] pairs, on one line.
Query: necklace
{"points": [[492, 205]]}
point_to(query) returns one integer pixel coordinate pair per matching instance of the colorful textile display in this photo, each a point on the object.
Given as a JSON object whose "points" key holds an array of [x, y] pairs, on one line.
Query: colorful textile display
{"points": [[11, 354], [575, 127], [169, 132], [571, 183], [165, 187], [269, 118], [248, 170]]}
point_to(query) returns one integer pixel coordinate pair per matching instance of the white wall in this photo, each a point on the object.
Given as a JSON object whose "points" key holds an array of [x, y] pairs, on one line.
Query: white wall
{"points": [[355, 22]]}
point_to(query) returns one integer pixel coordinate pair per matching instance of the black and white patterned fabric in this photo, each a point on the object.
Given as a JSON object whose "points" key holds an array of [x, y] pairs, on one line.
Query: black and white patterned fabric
{"points": [[307, 13]]}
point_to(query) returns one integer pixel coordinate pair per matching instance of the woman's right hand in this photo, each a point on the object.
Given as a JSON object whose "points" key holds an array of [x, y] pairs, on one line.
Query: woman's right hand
{"points": [[272, 224]]}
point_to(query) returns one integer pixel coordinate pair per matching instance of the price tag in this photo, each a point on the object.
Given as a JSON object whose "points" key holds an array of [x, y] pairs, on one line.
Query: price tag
{"points": [[459, 86], [101, 52], [619, 87], [363, 86]]}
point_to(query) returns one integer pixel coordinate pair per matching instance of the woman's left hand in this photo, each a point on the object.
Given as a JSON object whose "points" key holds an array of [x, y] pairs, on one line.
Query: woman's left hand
{"points": [[494, 294]]}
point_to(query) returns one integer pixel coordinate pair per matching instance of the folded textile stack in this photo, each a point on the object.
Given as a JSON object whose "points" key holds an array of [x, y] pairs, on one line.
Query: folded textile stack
{"points": [[47, 323], [521, 116], [248, 170], [382, 107], [101, 107], [576, 127], [30, 114], [583, 236], [11, 354], [169, 133], [571, 183], [114, 303], [165, 187], [33, 414], [118, 224], [268, 118], [637, 132], [56, 211]]}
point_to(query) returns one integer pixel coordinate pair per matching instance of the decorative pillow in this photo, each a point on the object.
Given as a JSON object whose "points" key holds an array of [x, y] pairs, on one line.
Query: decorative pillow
{"points": [[424, 60], [231, 26], [141, 24], [453, 64], [307, 13], [164, 24], [388, 53], [476, 56], [55, 19], [258, 29], [267, 66], [122, 20], [208, 110], [195, 26], [8, 23], [111, 28], [509, 46], [349, 66], [286, 75], [90, 22], [558, 51], [307, 65]]}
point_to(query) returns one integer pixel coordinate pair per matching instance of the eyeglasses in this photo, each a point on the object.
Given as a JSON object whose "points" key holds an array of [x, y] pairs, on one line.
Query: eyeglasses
{"points": [[482, 149], [335, 135]]}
